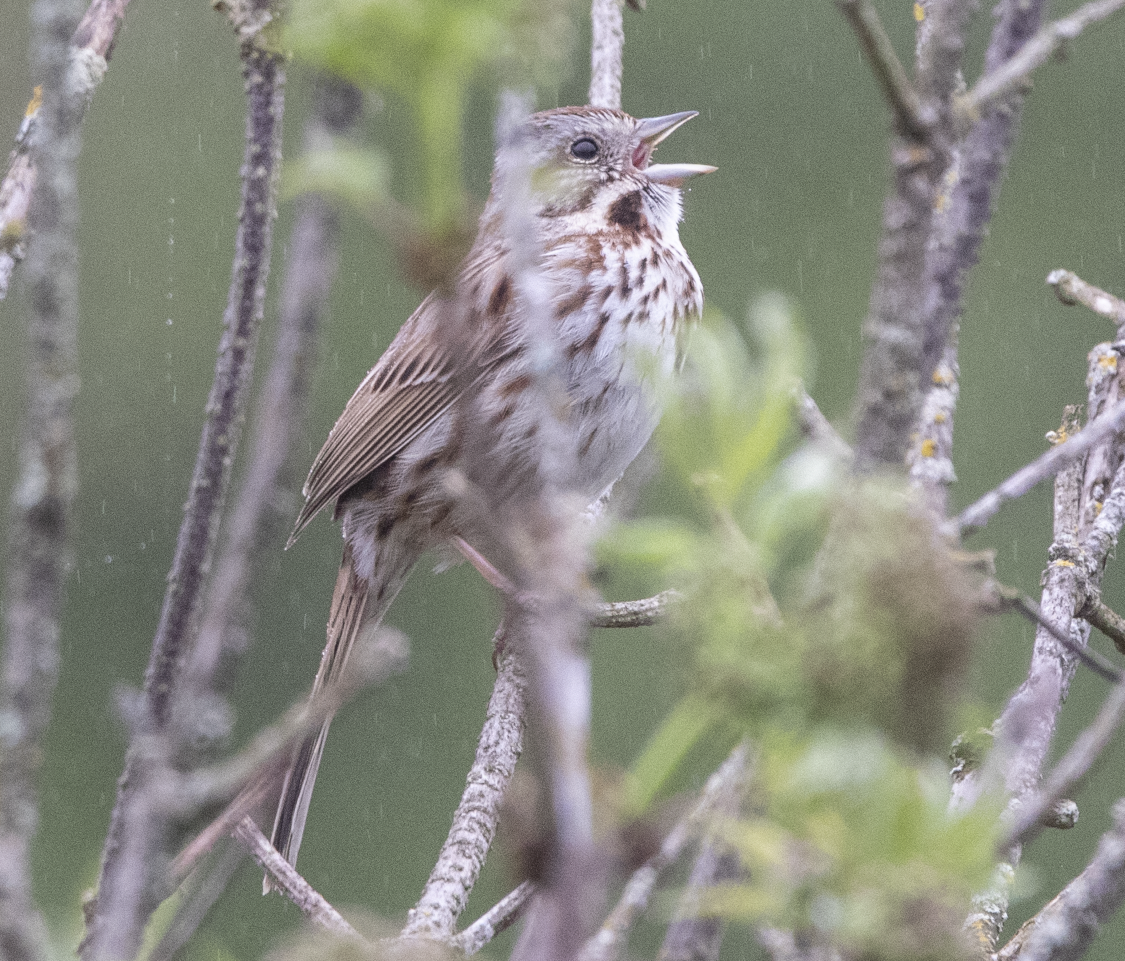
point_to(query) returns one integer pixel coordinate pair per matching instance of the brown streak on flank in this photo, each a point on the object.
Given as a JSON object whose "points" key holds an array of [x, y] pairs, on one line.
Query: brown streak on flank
{"points": [[503, 414], [585, 448], [587, 345], [628, 212], [501, 297], [573, 303], [516, 386]]}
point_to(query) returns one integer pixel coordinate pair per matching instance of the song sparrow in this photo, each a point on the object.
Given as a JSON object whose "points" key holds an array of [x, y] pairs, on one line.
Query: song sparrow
{"points": [[619, 285]]}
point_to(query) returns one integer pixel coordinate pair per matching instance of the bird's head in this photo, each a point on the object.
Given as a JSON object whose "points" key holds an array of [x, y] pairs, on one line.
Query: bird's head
{"points": [[582, 158]]}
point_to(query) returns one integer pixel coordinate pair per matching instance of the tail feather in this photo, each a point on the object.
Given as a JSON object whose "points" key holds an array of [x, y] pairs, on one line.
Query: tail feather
{"points": [[345, 620]]}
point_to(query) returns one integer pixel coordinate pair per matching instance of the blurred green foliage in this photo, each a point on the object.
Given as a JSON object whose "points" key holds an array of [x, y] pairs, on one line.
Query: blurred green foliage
{"points": [[430, 53], [828, 624]]}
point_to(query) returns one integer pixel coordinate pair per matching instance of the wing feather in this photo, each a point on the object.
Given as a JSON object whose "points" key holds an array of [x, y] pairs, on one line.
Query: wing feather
{"points": [[412, 385]]}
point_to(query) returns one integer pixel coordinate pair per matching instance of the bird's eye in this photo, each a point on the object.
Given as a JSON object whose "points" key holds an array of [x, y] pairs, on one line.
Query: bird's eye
{"points": [[584, 149]]}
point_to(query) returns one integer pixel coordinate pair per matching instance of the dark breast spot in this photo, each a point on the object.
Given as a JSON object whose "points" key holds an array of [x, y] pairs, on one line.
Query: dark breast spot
{"points": [[628, 212]]}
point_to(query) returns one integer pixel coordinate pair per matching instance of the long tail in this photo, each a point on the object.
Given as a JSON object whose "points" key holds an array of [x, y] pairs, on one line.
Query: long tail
{"points": [[345, 620]]}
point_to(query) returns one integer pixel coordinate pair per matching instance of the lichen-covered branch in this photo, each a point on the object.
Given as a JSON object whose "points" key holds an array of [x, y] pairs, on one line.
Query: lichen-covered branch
{"points": [[46, 483], [91, 46], [1013, 75], [1072, 289], [606, 53], [290, 883], [478, 814], [1068, 450], [726, 783], [1063, 930]]}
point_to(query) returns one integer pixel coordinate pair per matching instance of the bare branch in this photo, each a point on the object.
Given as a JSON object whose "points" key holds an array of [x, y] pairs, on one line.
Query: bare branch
{"points": [[1006, 598], [474, 823], [694, 935], [606, 53], [541, 545], [42, 502], [1014, 74], [281, 413], [1072, 289], [1064, 453], [609, 942], [1064, 928], [497, 919], [887, 68], [129, 888], [1070, 771], [1108, 621], [90, 49], [290, 883]]}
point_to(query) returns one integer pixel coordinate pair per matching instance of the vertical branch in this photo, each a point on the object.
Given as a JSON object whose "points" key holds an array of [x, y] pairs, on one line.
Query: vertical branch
{"points": [[983, 155], [46, 483], [133, 873], [890, 388], [281, 408], [475, 821], [548, 557], [607, 48]]}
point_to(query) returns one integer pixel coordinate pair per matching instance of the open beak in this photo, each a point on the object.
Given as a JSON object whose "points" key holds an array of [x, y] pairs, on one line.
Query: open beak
{"points": [[653, 130]]}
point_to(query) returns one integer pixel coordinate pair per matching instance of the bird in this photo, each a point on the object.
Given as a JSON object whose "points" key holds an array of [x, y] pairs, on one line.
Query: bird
{"points": [[621, 294]]}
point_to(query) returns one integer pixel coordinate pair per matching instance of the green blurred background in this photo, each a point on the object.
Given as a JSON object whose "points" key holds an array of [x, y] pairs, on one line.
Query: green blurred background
{"points": [[790, 115]]}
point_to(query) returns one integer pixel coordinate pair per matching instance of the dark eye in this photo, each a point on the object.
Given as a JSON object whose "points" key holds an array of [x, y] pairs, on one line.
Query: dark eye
{"points": [[584, 149]]}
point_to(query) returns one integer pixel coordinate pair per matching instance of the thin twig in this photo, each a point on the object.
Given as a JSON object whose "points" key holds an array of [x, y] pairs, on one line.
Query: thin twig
{"points": [[497, 919], [290, 883], [1106, 620], [1064, 928], [1014, 74], [887, 68], [247, 804], [1010, 599], [478, 814], [1072, 289], [128, 891], [818, 429], [259, 507], [606, 53], [42, 502], [194, 903], [609, 941], [977, 514], [1070, 771]]}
